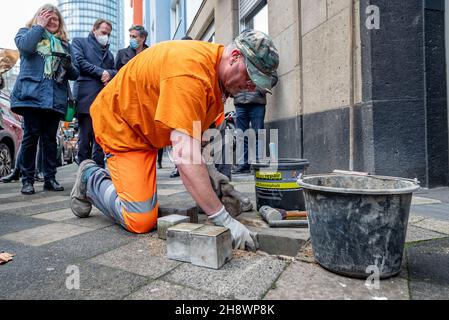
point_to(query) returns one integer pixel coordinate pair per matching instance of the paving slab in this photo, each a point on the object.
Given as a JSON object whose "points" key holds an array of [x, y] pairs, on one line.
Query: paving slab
{"points": [[281, 241], [56, 216], [245, 187], [6, 195], [174, 181], [436, 211], [441, 194], [180, 203], [275, 241], [168, 192], [146, 257], [12, 223], [96, 283], [162, 290], [415, 234], [428, 264], [94, 221], [308, 281], [37, 208], [413, 218], [28, 264], [31, 202], [247, 276], [39, 236], [89, 245], [247, 178], [434, 225], [416, 201]]}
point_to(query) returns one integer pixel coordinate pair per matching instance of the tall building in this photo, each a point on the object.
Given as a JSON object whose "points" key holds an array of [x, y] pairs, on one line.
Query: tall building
{"points": [[80, 15]]}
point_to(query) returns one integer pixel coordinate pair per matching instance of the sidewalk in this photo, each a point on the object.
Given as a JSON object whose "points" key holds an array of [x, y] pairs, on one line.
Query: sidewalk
{"points": [[49, 241]]}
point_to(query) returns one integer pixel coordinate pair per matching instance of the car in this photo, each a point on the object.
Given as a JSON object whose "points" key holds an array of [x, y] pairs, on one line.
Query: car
{"points": [[66, 145], [11, 133]]}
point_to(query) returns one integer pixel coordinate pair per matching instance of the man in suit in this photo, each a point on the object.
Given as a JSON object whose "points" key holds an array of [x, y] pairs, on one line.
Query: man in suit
{"points": [[137, 43], [96, 64]]}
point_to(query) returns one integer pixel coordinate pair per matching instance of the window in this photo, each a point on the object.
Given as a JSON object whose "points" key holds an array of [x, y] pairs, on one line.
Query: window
{"points": [[209, 34], [175, 17], [255, 15]]}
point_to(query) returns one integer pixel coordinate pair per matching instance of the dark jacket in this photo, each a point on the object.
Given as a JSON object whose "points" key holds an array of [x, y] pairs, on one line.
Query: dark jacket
{"points": [[254, 97], [32, 89], [92, 60], [124, 55]]}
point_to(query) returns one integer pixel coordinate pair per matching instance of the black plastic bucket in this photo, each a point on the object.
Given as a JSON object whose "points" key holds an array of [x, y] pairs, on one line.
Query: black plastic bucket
{"points": [[276, 183], [358, 224]]}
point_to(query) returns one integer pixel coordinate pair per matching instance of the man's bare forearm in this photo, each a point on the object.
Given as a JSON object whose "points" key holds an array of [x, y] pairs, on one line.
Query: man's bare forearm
{"points": [[197, 182], [194, 175]]}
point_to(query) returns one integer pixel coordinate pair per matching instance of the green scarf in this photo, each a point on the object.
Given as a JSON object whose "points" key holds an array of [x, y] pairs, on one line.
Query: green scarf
{"points": [[49, 44]]}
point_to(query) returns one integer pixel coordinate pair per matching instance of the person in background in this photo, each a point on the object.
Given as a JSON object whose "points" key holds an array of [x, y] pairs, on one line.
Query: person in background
{"points": [[40, 92], [96, 64], [250, 110], [137, 43]]}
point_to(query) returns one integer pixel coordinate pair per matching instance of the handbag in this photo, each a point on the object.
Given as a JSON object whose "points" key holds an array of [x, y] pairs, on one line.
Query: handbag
{"points": [[71, 106]]}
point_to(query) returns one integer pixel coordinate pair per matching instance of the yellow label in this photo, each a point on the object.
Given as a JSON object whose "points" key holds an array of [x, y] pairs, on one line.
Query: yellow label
{"points": [[269, 175], [277, 185]]}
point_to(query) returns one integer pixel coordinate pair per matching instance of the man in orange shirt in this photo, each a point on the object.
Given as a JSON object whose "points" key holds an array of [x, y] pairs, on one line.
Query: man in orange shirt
{"points": [[169, 94]]}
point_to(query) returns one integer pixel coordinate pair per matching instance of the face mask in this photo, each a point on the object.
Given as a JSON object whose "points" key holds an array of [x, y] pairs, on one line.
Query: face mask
{"points": [[103, 40], [133, 43]]}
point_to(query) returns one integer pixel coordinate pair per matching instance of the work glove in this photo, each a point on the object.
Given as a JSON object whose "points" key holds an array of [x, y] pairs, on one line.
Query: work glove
{"points": [[242, 238], [217, 179], [234, 202]]}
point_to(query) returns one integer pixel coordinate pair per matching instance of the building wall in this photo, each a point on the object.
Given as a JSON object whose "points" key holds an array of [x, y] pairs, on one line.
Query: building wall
{"points": [[335, 71], [157, 20], [80, 16], [330, 81], [181, 30]]}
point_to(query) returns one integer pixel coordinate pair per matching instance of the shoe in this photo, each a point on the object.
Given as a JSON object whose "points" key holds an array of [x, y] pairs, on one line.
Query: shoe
{"points": [[80, 205], [27, 188], [241, 170], [174, 174], [13, 176], [53, 185], [39, 177], [159, 165]]}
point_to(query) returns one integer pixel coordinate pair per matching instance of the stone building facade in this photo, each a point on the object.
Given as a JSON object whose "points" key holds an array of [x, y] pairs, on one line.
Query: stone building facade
{"points": [[362, 83]]}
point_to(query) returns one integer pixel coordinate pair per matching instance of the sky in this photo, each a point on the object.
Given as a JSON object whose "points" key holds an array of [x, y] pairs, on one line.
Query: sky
{"points": [[19, 12]]}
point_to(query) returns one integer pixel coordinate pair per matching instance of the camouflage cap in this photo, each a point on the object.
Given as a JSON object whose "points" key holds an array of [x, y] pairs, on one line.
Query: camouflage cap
{"points": [[262, 57]]}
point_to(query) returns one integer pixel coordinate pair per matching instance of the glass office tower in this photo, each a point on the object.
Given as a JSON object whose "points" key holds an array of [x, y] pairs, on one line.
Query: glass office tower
{"points": [[80, 15]]}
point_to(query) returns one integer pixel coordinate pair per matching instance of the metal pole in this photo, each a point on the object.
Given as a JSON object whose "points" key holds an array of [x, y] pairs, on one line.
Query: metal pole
{"points": [[351, 85]]}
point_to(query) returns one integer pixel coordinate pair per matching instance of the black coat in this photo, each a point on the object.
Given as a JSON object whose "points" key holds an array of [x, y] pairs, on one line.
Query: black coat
{"points": [[32, 89], [124, 55], [92, 60]]}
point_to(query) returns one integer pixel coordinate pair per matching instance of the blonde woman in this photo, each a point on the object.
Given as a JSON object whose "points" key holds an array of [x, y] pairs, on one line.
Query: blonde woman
{"points": [[40, 92]]}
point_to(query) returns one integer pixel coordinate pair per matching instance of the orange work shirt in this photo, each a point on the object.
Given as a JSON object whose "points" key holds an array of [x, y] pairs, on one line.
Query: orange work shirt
{"points": [[164, 88]]}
